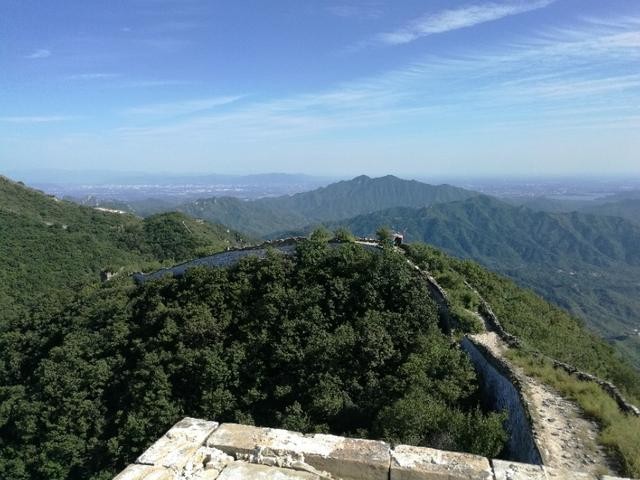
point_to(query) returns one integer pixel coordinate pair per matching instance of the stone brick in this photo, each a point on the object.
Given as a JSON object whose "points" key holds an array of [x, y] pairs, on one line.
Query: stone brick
{"points": [[250, 471], [421, 463], [175, 447], [561, 474], [144, 472], [346, 458], [516, 471], [205, 464]]}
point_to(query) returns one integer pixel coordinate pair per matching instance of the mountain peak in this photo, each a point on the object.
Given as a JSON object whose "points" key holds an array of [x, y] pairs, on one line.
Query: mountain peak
{"points": [[361, 178]]}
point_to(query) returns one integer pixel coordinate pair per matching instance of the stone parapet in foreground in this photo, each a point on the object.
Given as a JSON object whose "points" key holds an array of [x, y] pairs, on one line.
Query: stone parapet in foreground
{"points": [[204, 450]]}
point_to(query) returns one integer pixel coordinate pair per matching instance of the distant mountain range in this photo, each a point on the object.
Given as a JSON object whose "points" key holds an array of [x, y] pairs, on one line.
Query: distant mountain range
{"points": [[624, 204], [341, 200]]}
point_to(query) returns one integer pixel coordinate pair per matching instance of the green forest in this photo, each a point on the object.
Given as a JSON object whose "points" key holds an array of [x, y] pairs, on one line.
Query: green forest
{"points": [[339, 340], [52, 248]]}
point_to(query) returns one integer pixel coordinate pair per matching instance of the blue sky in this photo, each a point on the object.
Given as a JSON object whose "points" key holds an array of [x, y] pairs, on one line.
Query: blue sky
{"points": [[329, 87]]}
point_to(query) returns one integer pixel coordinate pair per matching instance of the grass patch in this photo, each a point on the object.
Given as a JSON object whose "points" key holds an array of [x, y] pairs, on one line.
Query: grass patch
{"points": [[465, 320], [620, 432]]}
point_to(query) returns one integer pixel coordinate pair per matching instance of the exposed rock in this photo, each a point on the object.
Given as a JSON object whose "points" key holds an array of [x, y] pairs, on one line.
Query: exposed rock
{"points": [[176, 447], [419, 463], [250, 471], [516, 471], [345, 458]]}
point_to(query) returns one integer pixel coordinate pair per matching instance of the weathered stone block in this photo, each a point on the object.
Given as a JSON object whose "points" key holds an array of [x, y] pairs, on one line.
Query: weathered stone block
{"points": [[144, 472], [516, 471], [421, 463], [561, 474], [345, 458], [174, 449], [205, 464], [246, 471], [609, 477]]}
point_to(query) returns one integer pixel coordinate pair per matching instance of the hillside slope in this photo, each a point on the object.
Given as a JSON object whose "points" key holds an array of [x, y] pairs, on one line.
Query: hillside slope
{"points": [[586, 263], [50, 247], [268, 216], [628, 208]]}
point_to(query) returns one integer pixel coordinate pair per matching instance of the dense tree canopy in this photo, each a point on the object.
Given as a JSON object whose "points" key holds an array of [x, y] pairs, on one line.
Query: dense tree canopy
{"points": [[340, 340]]}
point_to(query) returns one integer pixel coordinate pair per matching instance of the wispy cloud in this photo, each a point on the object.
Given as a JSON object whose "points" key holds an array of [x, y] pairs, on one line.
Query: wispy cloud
{"points": [[149, 83], [36, 119], [454, 19], [40, 53], [92, 76], [551, 78], [181, 108]]}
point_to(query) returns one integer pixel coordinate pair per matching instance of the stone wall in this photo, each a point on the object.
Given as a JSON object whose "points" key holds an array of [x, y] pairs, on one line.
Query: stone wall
{"points": [[286, 246], [502, 390], [438, 295], [608, 387], [198, 449], [494, 325]]}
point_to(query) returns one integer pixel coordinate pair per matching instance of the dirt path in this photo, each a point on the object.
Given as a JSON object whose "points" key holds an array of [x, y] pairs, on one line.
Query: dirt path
{"points": [[566, 439]]}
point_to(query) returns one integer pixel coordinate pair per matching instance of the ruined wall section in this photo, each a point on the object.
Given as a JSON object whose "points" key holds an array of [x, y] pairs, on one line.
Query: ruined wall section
{"points": [[501, 388], [494, 325]]}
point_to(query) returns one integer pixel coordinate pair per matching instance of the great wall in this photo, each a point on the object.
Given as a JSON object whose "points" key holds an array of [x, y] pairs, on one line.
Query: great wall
{"points": [[550, 437]]}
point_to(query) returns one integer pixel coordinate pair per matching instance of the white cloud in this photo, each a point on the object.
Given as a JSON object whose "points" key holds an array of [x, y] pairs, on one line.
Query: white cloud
{"points": [[576, 77], [40, 53], [454, 19], [182, 107]]}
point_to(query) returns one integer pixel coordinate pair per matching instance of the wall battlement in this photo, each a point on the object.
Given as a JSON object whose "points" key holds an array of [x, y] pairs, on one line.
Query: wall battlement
{"points": [[199, 449]]}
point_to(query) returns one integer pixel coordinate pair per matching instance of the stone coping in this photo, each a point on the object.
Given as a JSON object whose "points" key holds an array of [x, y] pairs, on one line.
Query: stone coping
{"points": [[196, 449]]}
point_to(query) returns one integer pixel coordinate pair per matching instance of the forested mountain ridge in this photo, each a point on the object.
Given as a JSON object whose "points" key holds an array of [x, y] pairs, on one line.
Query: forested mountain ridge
{"points": [[268, 216], [50, 247], [491, 230], [589, 264], [364, 194], [628, 208]]}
